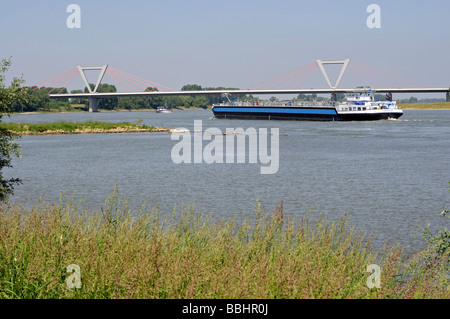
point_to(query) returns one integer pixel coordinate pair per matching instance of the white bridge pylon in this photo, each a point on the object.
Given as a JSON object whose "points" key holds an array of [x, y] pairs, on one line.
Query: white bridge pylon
{"points": [[93, 102], [102, 70], [325, 74]]}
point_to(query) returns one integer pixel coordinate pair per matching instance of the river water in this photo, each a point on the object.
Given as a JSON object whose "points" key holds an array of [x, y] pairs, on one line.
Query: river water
{"points": [[388, 177]]}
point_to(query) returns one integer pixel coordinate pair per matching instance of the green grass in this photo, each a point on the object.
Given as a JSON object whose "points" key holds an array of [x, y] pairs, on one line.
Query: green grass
{"points": [[184, 254], [74, 127]]}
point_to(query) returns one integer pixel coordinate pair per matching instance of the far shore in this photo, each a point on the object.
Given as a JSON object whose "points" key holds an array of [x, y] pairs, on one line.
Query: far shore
{"points": [[108, 111], [404, 106]]}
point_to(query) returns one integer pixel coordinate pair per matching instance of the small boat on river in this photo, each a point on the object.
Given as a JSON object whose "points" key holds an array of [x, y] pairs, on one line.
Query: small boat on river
{"points": [[162, 109]]}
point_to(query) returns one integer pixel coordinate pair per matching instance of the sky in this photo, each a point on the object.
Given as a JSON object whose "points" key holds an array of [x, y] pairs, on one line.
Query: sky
{"points": [[229, 43]]}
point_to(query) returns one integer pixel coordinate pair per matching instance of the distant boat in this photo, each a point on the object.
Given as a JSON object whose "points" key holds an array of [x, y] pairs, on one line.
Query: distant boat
{"points": [[360, 106], [162, 109]]}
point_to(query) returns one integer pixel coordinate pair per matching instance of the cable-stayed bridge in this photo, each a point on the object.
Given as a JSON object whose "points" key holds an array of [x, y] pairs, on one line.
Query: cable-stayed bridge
{"points": [[286, 83]]}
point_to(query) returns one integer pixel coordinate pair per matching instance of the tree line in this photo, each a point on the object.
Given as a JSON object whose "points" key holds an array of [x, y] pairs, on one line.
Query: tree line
{"points": [[38, 99]]}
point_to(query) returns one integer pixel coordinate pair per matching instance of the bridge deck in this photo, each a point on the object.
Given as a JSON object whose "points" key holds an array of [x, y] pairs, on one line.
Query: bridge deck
{"points": [[255, 92]]}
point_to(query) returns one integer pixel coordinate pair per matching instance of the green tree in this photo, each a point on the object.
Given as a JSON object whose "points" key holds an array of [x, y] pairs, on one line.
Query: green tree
{"points": [[152, 101], [200, 101], [37, 99], [191, 87], [79, 100], [8, 95]]}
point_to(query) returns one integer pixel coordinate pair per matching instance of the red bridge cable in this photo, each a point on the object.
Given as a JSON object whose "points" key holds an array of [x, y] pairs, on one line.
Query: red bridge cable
{"points": [[311, 68], [52, 79], [270, 81], [131, 80], [371, 74], [66, 84], [359, 76], [402, 79], [130, 77], [304, 70], [312, 72], [112, 78], [371, 81], [384, 82], [141, 79], [62, 81], [399, 78], [121, 79], [146, 83], [290, 77], [113, 75], [278, 77], [125, 78], [307, 74], [57, 83], [282, 76]]}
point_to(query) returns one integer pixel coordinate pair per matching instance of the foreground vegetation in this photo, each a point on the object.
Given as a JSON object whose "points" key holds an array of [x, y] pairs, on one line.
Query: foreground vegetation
{"points": [[77, 128], [8, 147], [147, 254]]}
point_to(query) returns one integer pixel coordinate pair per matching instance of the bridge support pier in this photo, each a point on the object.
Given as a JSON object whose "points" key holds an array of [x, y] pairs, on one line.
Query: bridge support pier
{"points": [[447, 96], [93, 103]]}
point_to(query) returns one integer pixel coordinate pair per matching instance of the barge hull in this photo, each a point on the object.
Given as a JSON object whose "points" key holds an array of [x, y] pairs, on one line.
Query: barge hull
{"points": [[298, 114]]}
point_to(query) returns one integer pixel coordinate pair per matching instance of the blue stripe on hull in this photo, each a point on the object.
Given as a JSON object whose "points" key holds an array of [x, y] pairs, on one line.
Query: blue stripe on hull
{"points": [[272, 110]]}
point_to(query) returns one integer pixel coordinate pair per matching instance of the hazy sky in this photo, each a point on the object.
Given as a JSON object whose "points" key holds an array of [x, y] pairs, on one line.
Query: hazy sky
{"points": [[227, 43]]}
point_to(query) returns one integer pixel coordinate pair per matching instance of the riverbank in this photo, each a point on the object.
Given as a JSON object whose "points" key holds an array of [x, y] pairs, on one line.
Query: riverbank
{"points": [[121, 254], [90, 127], [78, 110], [426, 106]]}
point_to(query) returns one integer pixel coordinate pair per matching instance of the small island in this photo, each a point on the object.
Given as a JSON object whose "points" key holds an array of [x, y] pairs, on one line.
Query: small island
{"points": [[89, 127]]}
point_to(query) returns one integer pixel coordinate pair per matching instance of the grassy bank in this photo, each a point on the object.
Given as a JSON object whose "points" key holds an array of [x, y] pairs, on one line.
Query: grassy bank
{"points": [[123, 254], [426, 106], [78, 128]]}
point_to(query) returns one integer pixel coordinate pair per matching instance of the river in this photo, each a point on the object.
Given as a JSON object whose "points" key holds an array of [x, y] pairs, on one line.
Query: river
{"points": [[388, 177]]}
